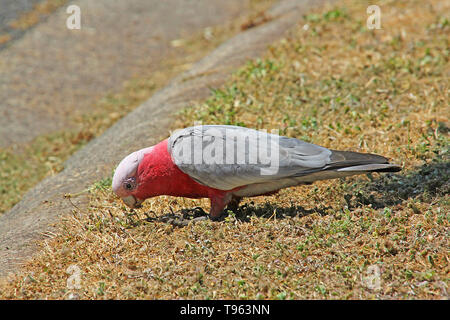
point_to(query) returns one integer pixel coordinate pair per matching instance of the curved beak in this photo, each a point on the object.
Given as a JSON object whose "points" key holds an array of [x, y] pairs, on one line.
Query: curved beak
{"points": [[132, 202]]}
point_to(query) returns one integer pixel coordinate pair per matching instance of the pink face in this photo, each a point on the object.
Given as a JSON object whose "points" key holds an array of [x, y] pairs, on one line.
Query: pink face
{"points": [[125, 181]]}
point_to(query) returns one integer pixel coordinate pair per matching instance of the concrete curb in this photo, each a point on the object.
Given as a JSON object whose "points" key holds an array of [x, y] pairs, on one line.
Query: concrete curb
{"points": [[31, 218]]}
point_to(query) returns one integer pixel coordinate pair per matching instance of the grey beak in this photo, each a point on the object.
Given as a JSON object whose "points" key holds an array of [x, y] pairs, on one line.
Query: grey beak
{"points": [[132, 202]]}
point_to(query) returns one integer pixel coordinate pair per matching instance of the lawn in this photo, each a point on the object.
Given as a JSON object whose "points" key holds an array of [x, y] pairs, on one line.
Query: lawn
{"points": [[330, 81]]}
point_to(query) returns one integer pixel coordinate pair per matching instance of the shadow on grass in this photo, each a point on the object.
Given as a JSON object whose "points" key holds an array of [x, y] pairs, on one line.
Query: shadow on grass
{"points": [[424, 184], [243, 213], [270, 210]]}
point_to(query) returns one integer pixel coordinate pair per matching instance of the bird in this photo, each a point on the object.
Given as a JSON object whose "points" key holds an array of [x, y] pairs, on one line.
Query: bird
{"points": [[226, 163]]}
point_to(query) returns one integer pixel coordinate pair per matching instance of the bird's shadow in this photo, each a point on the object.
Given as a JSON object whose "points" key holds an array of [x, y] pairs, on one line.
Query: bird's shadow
{"points": [[242, 213], [423, 183]]}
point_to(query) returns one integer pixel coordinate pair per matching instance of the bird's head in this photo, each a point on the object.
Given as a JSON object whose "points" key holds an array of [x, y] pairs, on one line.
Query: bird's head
{"points": [[125, 182]]}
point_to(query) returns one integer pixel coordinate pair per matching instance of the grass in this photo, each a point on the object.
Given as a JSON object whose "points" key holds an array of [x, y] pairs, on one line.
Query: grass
{"points": [[332, 82], [23, 167]]}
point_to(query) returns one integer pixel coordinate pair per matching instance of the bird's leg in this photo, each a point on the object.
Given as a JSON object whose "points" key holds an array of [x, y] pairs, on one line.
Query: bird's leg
{"points": [[218, 203], [216, 210]]}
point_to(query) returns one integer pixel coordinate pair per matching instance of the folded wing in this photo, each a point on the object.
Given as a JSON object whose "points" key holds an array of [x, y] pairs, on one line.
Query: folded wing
{"points": [[227, 157]]}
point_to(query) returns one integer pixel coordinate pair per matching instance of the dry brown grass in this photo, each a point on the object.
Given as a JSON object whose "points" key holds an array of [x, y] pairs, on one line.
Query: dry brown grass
{"points": [[333, 83]]}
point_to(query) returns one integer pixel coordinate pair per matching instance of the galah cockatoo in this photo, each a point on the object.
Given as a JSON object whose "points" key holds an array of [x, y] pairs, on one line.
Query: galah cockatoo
{"points": [[225, 163]]}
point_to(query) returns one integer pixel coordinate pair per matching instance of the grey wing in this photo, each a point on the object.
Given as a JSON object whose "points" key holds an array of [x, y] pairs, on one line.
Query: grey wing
{"points": [[226, 157]]}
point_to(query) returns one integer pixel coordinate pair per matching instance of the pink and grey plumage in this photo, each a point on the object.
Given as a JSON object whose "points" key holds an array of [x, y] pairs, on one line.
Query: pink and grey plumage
{"points": [[170, 167]]}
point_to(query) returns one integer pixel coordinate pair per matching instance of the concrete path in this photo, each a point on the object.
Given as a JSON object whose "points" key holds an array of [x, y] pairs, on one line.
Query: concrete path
{"points": [[52, 73], [44, 204], [11, 10]]}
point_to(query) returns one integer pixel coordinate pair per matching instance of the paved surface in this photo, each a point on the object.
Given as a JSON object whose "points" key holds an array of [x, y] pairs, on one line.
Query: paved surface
{"points": [[11, 10], [146, 125], [52, 72]]}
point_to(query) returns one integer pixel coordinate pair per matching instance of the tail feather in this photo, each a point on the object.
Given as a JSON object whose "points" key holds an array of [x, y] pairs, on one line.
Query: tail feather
{"points": [[374, 167], [350, 161]]}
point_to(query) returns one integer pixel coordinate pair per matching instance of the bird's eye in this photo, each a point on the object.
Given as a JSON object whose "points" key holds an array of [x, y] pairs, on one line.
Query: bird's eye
{"points": [[129, 184]]}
